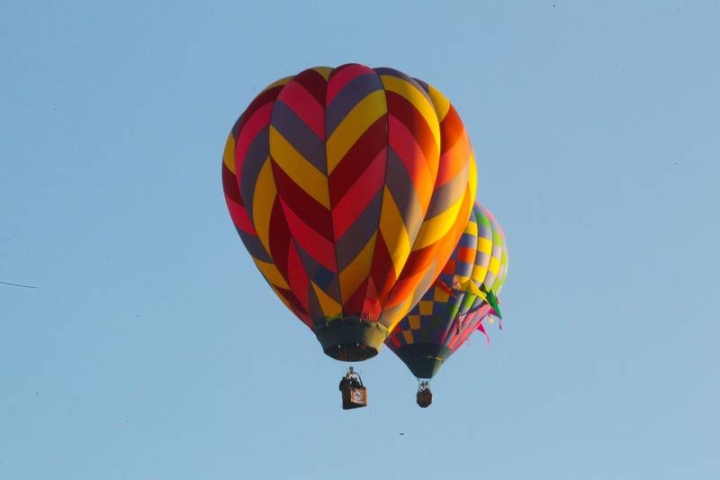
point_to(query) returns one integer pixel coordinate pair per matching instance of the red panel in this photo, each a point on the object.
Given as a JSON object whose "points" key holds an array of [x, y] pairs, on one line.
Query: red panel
{"points": [[452, 130], [466, 254], [382, 272], [305, 106], [279, 239], [449, 267], [297, 277], [360, 190], [370, 145], [306, 207], [314, 83], [354, 305], [252, 121], [371, 308], [320, 249], [237, 210], [405, 112], [343, 75], [419, 261]]}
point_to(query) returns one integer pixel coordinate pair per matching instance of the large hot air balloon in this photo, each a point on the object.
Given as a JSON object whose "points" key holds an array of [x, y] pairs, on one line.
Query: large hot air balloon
{"points": [[349, 187], [463, 295]]}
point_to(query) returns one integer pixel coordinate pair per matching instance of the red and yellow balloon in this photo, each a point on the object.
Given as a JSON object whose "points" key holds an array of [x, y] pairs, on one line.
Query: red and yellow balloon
{"points": [[350, 187]]}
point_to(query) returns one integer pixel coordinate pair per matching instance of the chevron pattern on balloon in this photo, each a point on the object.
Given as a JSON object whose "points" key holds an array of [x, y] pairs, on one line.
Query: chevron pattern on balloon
{"points": [[350, 188]]}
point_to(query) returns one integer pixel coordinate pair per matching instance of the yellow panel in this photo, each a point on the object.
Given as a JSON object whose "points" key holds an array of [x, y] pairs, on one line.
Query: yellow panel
{"points": [[479, 273], [472, 288], [440, 295], [265, 193], [472, 176], [229, 153], [272, 274], [436, 228], [426, 307], [452, 238], [282, 81], [408, 337], [441, 103], [353, 126], [324, 71], [394, 232], [417, 99], [471, 228], [357, 272], [494, 265], [484, 245], [329, 306], [304, 173], [414, 322]]}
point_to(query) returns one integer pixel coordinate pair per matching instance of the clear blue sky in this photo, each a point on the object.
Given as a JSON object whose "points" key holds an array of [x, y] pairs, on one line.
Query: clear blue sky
{"points": [[152, 349]]}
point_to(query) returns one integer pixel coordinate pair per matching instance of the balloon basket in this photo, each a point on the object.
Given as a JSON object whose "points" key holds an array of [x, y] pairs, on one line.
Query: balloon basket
{"points": [[354, 397], [424, 395], [354, 393]]}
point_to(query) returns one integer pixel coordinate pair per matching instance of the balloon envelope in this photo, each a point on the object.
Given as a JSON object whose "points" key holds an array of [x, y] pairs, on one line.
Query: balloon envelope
{"points": [[349, 188], [463, 295]]}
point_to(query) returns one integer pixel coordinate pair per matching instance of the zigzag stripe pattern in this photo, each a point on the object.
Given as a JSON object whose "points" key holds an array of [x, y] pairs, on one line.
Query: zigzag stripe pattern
{"points": [[349, 188], [449, 312]]}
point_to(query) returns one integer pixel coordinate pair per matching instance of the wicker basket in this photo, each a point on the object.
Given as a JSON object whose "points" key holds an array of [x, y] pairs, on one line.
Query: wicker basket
{"points": [[424, 398], [354, 397]]}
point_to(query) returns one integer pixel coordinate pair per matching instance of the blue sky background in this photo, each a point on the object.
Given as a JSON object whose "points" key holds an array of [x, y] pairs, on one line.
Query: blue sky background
{"points": [[152, 349]]}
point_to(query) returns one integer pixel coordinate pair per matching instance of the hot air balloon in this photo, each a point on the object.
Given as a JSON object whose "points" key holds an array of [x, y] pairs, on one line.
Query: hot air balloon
{"points": [[349, 187], [463, 295]]}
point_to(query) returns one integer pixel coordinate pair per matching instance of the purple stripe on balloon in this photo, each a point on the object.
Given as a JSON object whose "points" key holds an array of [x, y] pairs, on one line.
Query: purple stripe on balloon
{"points": [[468, 240], [357, 89], [323, 277], [403, 193], [401, 75], [445, 196], [255, 157], [359, 233], [299, 135], [254, 246]]}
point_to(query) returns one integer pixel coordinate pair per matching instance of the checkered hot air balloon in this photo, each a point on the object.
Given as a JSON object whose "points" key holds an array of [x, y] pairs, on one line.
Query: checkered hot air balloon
{"points": [[349, 187], [463, 295]]}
